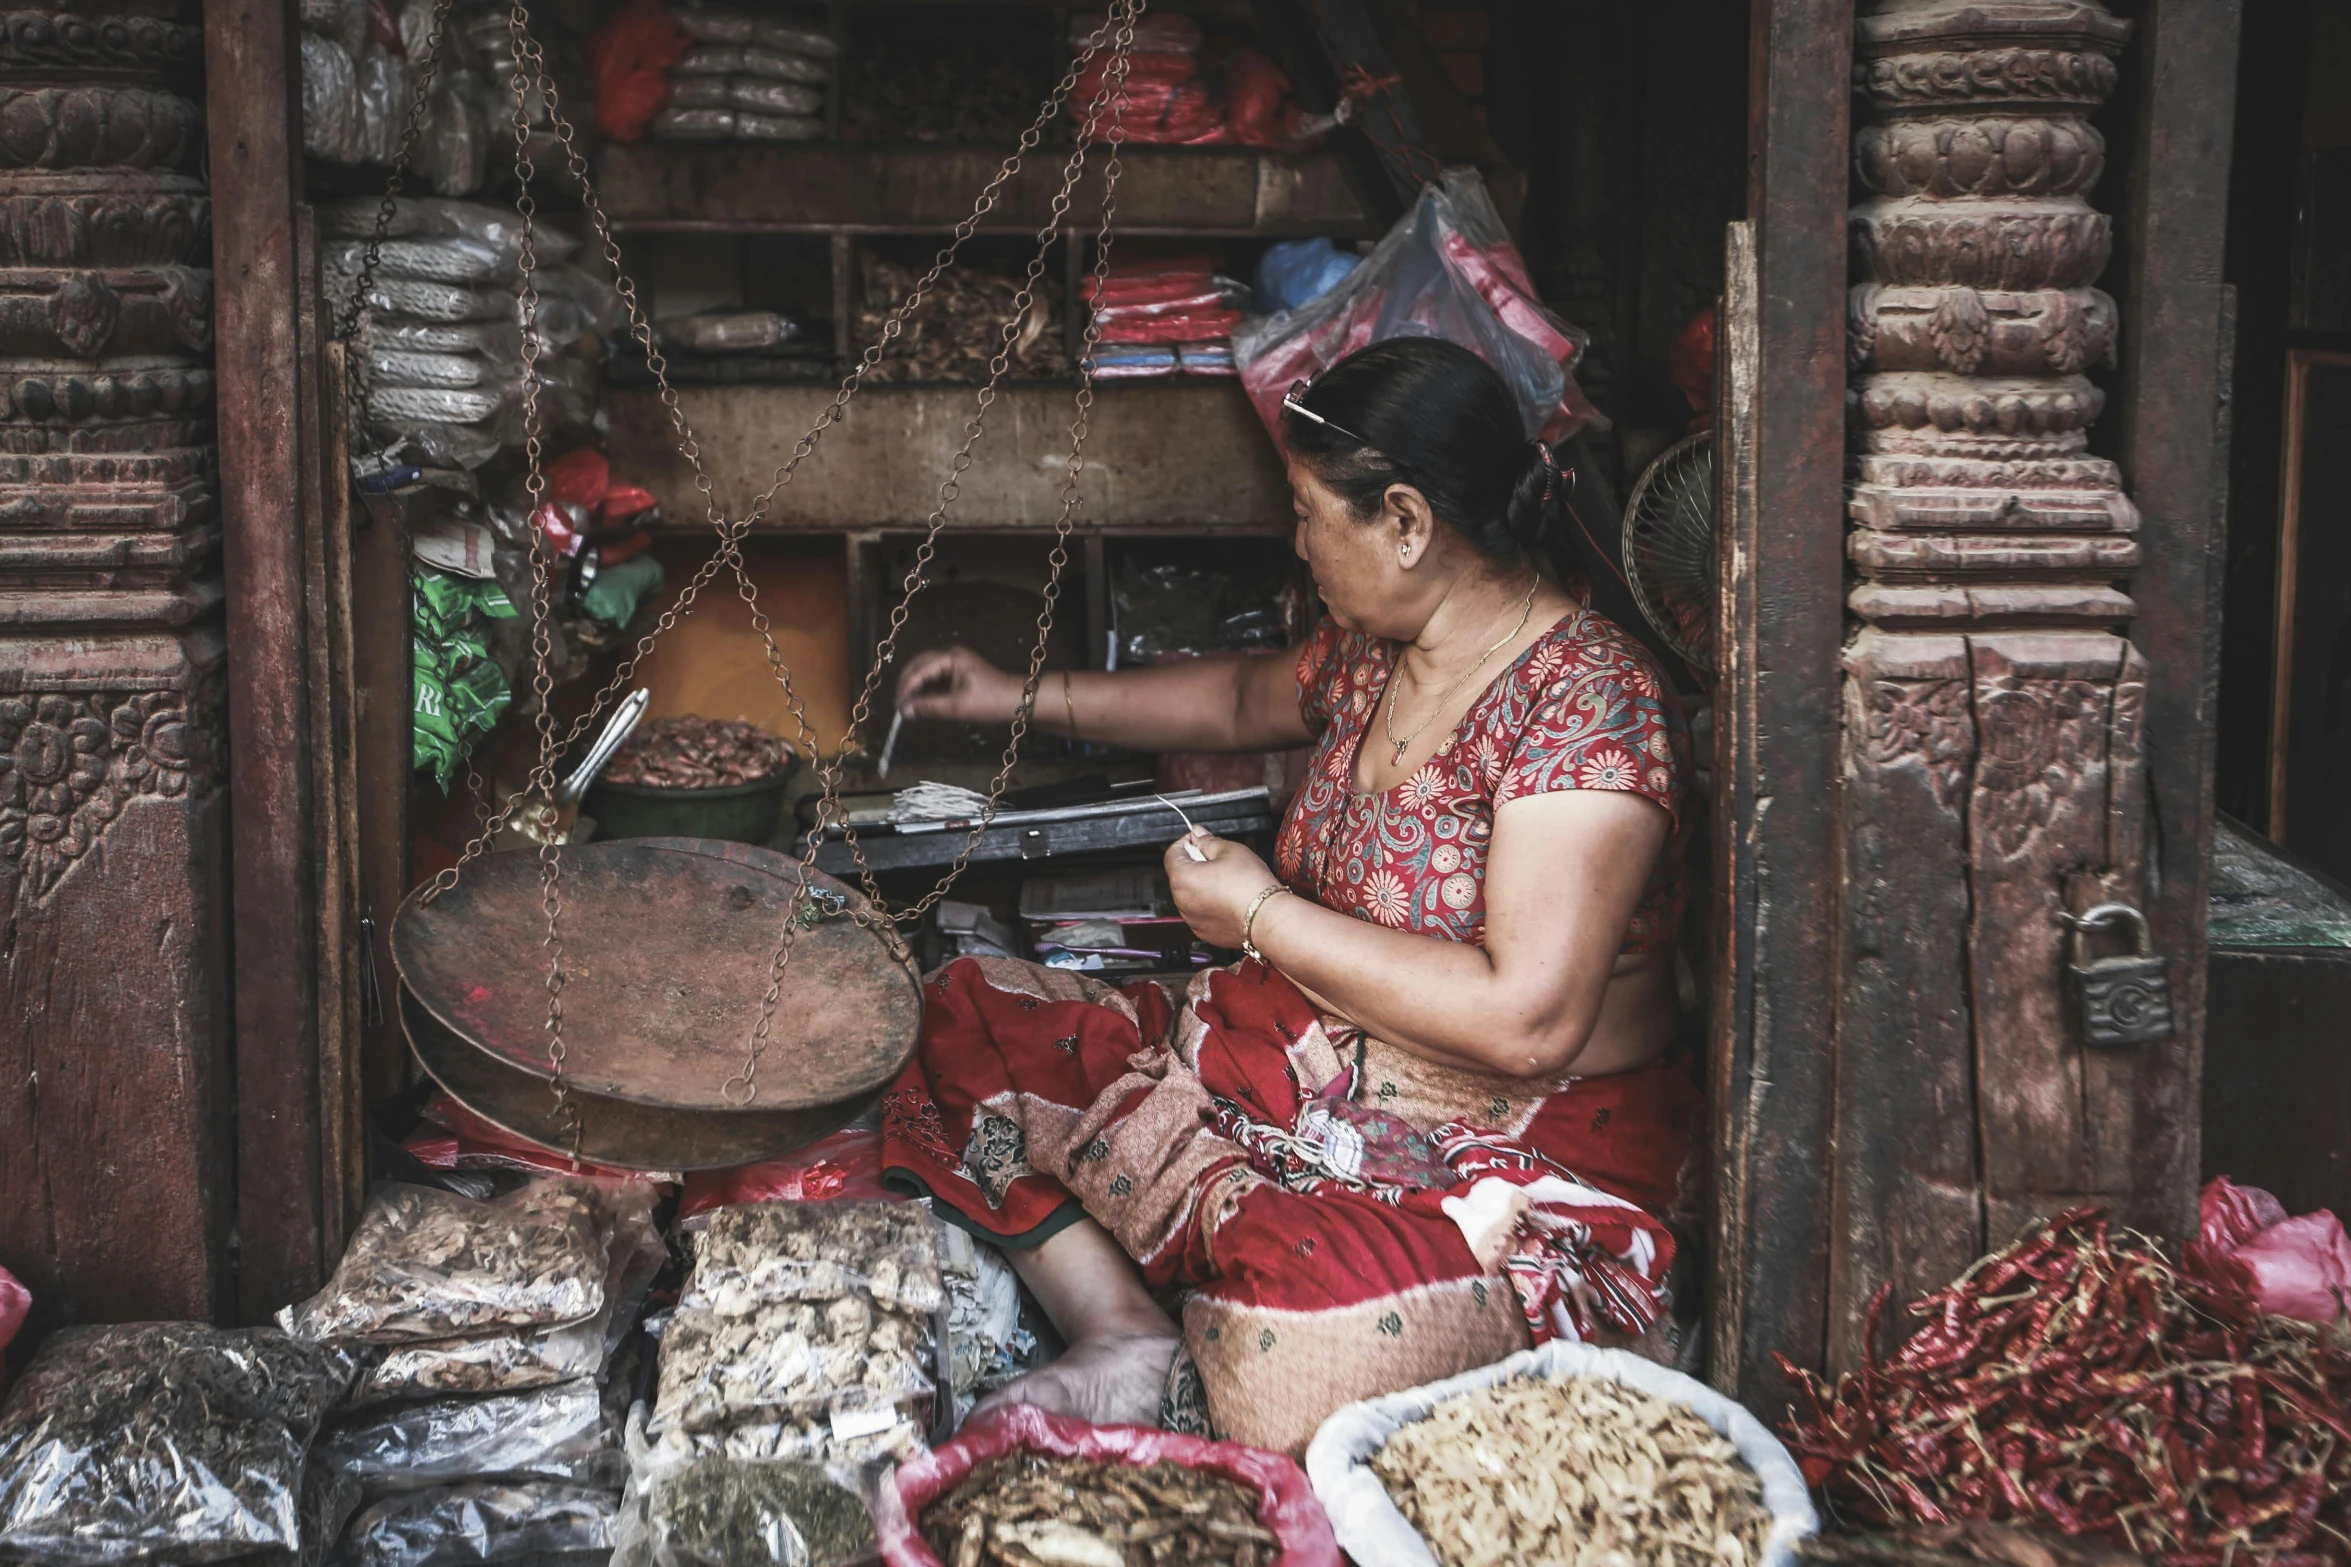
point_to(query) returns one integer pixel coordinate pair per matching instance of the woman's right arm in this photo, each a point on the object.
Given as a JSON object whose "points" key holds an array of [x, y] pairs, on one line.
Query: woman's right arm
{"points": [[1222, 702]]}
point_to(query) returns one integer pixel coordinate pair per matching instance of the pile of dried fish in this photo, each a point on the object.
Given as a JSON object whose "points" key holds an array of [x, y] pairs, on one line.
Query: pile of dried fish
{"points": [[719, 1512], [170, 1441], [805, 1333], [698, 753], [959, 327], [1026, 1509], [1584, 1471], [428, 1264]]}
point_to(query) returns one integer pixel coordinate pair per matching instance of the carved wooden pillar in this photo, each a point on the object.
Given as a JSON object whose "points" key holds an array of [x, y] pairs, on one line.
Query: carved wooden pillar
{"points": [[114, 1136], [1992, 698]]}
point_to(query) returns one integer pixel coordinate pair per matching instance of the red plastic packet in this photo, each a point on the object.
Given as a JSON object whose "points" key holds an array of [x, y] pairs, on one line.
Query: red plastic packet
{"points": [[621, 501], [2291, 1267], [15, 1301], [1191, 326], [631, 55], [1152, 278], [1257, 98], [845, 1167], [464, 1141], [1286, 1503], [580, 477]]}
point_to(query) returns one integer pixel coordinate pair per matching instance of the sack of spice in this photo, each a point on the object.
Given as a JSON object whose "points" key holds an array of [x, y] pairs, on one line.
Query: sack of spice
{"points": [[167, 1441], [1553, 1447], [1020, 1485]]}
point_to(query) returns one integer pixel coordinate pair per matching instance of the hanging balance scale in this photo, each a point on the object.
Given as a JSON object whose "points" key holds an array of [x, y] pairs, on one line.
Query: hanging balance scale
{"points": [[678, 1003]]}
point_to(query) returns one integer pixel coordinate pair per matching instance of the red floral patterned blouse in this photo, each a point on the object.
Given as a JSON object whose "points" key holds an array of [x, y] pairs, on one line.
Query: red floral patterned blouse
{"points": [[1584, 708]]}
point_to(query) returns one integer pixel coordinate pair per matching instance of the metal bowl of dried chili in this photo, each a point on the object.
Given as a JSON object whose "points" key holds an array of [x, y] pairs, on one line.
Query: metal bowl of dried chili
{"points": [[691, 777]]}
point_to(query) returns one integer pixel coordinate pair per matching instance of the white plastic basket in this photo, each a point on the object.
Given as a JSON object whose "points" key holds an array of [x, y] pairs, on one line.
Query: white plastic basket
{"points": [[1376, 1534]]}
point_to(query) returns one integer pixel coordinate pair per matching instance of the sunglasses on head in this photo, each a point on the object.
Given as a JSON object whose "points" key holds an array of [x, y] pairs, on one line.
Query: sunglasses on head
{"points": [[1294, 401]]}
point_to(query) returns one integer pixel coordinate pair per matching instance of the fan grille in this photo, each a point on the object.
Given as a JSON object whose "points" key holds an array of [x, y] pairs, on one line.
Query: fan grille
{"points": [[1669, 547]]}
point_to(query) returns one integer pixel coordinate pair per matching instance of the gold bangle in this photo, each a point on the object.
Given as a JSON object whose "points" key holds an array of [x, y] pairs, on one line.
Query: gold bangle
{"points": [[1068, 706], [1249, 921]]}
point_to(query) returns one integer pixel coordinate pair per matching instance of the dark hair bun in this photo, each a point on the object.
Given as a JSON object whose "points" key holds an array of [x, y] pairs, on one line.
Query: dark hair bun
{"points": [[1433, 415]]}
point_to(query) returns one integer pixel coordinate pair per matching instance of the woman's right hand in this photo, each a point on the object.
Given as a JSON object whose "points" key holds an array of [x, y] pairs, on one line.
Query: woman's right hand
{"points": [[957, 684]]}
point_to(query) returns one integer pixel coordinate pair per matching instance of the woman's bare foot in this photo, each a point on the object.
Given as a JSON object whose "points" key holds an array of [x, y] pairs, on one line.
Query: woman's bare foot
{"points": [[1110, 1379]]}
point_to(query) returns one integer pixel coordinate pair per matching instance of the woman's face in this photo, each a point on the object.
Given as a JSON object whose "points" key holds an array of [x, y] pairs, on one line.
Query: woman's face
{"points": [[1355, 563]]}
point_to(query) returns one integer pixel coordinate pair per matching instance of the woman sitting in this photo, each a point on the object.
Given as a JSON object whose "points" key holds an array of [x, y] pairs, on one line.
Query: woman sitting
{"points": [[1427, 1120]]}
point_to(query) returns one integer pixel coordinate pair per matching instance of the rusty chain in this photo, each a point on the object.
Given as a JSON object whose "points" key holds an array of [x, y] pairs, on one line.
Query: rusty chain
{"points": [[531, 75]]}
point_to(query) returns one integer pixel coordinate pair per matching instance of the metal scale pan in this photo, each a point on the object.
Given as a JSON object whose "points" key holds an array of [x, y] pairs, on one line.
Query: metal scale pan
{"points": [[666, 946]]}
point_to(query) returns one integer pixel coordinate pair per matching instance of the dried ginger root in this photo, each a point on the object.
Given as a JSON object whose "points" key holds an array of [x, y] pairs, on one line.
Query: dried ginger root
{"points": [[1580, 1473]]}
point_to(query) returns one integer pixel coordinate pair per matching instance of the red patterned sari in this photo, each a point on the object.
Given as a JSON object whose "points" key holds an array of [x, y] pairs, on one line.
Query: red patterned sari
{"points": [[1341, 1217]]}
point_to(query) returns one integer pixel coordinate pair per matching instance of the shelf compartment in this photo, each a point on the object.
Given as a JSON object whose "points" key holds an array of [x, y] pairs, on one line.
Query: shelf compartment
{"points": [[856, 188], [1181, 454]]}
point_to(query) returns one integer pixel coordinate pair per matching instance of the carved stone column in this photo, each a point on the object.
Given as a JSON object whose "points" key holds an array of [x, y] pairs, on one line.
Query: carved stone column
{"points": [[1992, 699], [114, 1133]]}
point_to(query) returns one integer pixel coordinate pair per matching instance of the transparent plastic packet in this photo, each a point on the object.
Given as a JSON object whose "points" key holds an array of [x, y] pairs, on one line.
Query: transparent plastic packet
{"points": [[693, 125], [453, 148], [752, 60], [477, 1521], [383, 85], [763, 96], [418, 299], [813, 1441], [329, 1498], [711, 26], [513, 1362], [345, 21], [759, 1253], [840, 1357], [402, 405], [551, 1433], [698, 92], [429, 259], [427, 1264], [333, 122], [448, 372], [738, 1512], [161, 1440], [441, 218], [752, 126], [436, 445], [724, 331]]}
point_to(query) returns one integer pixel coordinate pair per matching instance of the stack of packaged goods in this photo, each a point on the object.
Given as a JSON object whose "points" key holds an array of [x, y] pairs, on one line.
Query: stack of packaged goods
{"points": [[444, 331], [1181, 91], [360, 60], [482, 1426], [460, 688], [746, 77], [1171, 317]]}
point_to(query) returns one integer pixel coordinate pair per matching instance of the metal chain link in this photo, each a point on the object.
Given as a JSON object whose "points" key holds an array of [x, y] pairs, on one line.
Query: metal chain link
{"points": [[531, 74]]}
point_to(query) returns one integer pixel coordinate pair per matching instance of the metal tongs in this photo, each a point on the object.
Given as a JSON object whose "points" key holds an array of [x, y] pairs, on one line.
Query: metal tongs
{"points": [[617, 730]]}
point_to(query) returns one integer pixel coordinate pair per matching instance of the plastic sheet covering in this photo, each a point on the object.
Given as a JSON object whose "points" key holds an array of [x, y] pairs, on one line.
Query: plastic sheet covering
{"points": [[333, 119], [479, 1521], [555, 1433], [166, 1440], [1447, 269], [428, 1264]]}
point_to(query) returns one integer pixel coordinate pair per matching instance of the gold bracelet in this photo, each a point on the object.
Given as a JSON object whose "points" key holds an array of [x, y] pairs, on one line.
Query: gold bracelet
{"points": [[1249, 921], [1068, 706]]}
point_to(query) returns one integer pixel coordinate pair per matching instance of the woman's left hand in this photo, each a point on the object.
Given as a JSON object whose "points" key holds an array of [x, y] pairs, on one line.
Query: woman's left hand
{"points": [[1214, 894]]}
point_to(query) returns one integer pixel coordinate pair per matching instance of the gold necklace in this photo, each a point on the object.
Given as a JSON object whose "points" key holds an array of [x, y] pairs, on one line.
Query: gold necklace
{"points": [[1388, 716]]}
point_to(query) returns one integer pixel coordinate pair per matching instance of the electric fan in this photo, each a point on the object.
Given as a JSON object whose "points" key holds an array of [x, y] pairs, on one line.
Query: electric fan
{"points": [[1669, 548]]}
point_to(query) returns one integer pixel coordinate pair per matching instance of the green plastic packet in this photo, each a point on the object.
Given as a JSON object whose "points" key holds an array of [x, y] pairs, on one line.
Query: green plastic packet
{"points": [[612, 599]]}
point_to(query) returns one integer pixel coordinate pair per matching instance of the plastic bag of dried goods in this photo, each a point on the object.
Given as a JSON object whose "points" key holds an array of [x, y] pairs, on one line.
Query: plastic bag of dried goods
{"points": [[428, 1264], [511, 1362], [329, 1498], [763, 96], [2291, 1267], [751, 60], [480, 1521], [1375, 1533], [1447, 269], [345, 21], [759, 1253], [383, 86], [551, 1433], [454, 150], [753, 126], [418, 299], [845, 1361], [731, 1512], [449, 372], [886, 1434], [433, 260], [333, 119], [161, 1440], [1286, 1506]]}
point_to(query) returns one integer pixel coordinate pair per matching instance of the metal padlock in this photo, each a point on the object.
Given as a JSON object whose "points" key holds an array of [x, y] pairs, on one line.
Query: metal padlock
{"points": [[2124, 1000]]}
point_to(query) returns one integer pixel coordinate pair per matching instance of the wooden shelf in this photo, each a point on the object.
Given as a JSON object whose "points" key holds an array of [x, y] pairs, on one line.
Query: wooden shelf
{"points": [[859, 188], [1174, 455]]}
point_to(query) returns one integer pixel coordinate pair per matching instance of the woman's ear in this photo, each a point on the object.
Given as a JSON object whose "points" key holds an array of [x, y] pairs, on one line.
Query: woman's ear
{"points": [[1406, 512]]}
